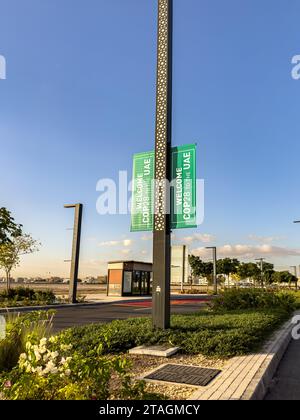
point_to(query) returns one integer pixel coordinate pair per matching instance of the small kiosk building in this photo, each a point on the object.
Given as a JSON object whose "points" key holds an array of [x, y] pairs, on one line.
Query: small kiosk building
{"points": [[129, 278]]}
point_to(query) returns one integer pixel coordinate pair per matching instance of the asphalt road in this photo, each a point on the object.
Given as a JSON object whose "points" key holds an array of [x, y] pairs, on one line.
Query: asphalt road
{"points": [[286, 382], [91, 314]]}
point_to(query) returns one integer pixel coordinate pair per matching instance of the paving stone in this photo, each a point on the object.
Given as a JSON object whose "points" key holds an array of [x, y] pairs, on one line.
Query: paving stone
{"points": [[158, 351]]}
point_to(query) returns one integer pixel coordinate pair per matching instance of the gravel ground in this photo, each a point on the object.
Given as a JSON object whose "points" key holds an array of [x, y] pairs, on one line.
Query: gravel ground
{"points": [[143, 364]]}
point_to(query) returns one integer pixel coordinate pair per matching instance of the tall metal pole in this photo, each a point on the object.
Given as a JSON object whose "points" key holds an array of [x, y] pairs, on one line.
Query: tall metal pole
{"points": [[75, 251], [261, 261], [295, 274], [215, 282], [163, 135]]}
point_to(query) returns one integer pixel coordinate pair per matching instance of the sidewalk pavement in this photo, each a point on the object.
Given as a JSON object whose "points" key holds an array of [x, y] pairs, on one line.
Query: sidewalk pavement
{"points": [[101, 298], [286, 382]]}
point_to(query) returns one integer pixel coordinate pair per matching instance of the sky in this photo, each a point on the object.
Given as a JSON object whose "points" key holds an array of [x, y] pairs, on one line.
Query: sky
{"points": [[79, 100]]}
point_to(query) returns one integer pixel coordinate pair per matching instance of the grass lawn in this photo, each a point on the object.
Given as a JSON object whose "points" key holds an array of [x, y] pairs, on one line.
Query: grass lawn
{"points": [[211, 334]]}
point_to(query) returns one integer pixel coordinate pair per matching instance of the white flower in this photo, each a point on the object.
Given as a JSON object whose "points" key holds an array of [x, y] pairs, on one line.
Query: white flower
{"points": [[37, 356], [46, 357], [43, 341], [39, 370], [68, 372], [23, 356], [50, 367], [54, 354]]}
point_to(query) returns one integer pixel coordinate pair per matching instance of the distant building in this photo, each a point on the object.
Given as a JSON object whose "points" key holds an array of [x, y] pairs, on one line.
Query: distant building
{"points": [[90, 280], [129, 278], [19, 280], [180, 267], [55, 280]]}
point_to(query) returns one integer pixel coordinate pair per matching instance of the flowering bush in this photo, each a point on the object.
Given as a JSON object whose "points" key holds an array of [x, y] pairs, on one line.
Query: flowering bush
{"points": [[48, 370], [42, 361], [18, 329]]}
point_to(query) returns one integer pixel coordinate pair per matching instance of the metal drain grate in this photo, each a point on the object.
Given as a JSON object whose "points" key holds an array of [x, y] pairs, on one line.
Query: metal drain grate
{"points": [[189, 375]]}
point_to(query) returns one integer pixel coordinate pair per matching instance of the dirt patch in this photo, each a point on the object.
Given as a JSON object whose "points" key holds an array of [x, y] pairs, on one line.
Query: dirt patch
{"points": [[142, 364]]}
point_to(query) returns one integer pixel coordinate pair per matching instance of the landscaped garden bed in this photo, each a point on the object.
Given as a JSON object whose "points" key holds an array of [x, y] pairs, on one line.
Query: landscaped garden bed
{"points": [[23, 296], [92, 362], [211, 334]]}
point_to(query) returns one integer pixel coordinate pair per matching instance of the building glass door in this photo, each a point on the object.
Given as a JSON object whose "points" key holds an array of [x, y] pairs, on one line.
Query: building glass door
{"points": [[136, 285]]}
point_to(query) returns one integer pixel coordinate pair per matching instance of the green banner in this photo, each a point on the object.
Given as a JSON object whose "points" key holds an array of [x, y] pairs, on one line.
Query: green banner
{"points": [[183, 190], [142, 219]]}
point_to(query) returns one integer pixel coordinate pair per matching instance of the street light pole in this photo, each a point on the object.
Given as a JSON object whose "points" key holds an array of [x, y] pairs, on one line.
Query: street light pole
{"points": [[297, 221], [261, 260], [294, 267], [163, 140], [75, 251], [215, 282]]}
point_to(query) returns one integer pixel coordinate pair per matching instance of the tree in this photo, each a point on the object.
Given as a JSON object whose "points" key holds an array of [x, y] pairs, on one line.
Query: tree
{"points": [[11, 252], [196, 265], [284, 277], [8, 228], [267, 273], [249, 270], [200, 268], [227, 266]]}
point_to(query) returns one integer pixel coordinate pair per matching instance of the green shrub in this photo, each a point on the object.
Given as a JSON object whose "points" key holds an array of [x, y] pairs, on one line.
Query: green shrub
{"points": [[18, 329], [233, 299], [220, 335], [25, 296], [48, 370]]}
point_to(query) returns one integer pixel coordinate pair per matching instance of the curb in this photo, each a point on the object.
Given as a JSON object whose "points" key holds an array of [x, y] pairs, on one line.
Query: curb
{"points": [[59, 306], [276, 347], [249, 377]]}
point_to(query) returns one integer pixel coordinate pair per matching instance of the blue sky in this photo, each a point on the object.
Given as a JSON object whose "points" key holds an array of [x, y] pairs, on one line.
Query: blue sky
{"points": [[79, 100]]}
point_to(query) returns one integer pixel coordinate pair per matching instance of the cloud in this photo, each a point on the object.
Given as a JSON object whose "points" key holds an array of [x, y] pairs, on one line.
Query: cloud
{"points": [[199, 237], [249, 251], [264, 239], [124, 242]]}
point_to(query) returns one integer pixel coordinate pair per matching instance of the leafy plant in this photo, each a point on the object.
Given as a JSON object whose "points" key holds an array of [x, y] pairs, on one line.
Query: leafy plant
{"points": [[12, 250], [21, 296], [254, 299], [49, 370], [18, 328], [219, 334], [9, 229]]}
